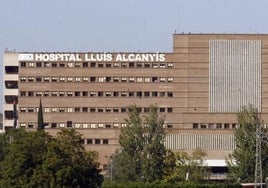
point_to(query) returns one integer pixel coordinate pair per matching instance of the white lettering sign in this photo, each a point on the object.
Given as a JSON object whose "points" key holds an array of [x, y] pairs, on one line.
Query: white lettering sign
{"points": [[104, 57]]}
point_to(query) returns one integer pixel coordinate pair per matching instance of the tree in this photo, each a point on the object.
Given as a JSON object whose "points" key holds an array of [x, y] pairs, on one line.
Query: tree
{"points": [[180, 166], [154, 146], [242, 161], [142, 147], [34, 159], [40, 118]]}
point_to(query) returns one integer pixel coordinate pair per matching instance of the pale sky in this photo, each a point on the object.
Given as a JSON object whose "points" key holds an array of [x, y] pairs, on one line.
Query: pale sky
{"points": [[120, 25]]}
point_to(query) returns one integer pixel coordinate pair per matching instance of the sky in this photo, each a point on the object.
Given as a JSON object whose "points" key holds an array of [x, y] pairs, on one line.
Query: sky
{"points": [[119, 25]]}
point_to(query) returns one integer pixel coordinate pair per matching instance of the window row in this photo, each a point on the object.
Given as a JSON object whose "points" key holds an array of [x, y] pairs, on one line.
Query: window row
{"points": [[82, 125], [98, 64], [91, 109], [93, 79], [215, 126], [95, 94]]}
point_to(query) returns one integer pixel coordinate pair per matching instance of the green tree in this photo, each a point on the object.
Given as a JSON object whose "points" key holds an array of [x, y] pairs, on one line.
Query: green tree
{"points": [[180, 167], [34, 159], [242, 161], [40, 118], [142, 147], [154, 149]]}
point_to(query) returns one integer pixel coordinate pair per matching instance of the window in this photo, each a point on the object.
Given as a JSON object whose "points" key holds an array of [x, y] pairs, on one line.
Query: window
{"points": [[46, 64], [92, 79], [162, 65], [101, 79], [154, 94], [54, 109], [93, 125], [116, 79], [38, 64], [30, 79], [85, 93], [69, 124], [61, 109], [62, 64], [123, 109], [54, 93], [77, 125], [46, 93], [170, 79], [69, 110], [62, 79], [23, 93], [69, 79], [131, 64], [69, 93], [131, 79], [108, 126], [100, 64], [116, 64], [123, 94], [11, 84], [108, 109], [30, 93], [146, 94], [226, 125], [61, 125], [77, 93], [22, 109], [53, 125], [147, 65], [105, 141], [23, 64], [30, 110], [108, 65], [92, 64], [92, 109], [108, 94], [46, 109], [70, 64], [146, 110], [38, 79], [77, 109], [77, 64], [85, 79], [100, 125], [23, 79], [139, 79], [203, 126], [162, 94], [162, 79], [116, 94], [147, 80], [89, 141], [123, 64], [169, 110], [170, 65], [169, 94], [84, 109], [139, 94], [46, 79], [211, 126], [54, 64], [108, 79], [139, 64], [39, 93], [85, 125], [116, 125], [116, 110], [155, 65], [61, 93], [77, 79], [124, 79], [31, 64], [92, 94], [131, 94], [154, 79], [100, 110], [100, 94], [54, 79], [85, 64], [218, 126], [161, 109], [97, 141]]}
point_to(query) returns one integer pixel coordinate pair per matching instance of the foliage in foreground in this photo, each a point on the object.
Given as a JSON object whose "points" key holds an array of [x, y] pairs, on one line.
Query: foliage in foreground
{"points": [[143, 151], [241, 162], [35, 159], [168, 185]]}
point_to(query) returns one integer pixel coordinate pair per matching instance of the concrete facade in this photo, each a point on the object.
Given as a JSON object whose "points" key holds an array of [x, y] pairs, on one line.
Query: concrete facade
{"points": [[191, 85]]}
